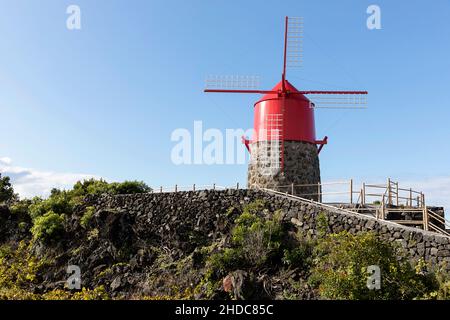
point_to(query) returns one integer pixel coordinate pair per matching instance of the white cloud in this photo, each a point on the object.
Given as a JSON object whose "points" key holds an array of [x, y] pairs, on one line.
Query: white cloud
{"points": [[29, 182], [436, 190], [5, 161]]}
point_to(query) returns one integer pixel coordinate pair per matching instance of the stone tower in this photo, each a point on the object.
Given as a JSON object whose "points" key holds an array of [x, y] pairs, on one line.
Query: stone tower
{"points": [[301, 166]]}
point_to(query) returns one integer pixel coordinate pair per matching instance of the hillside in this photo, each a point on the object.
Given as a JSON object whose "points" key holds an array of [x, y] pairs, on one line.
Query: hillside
{"points": [[233, 244]]}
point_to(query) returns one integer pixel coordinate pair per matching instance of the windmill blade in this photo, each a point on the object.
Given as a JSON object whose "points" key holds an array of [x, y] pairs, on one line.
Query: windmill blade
{"points": [[294, 42], [233, 82], [337, 99]]}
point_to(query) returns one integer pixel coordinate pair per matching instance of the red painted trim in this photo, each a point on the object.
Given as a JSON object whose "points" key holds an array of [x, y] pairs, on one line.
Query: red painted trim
{"points": [[246, 142], [321, 143]]}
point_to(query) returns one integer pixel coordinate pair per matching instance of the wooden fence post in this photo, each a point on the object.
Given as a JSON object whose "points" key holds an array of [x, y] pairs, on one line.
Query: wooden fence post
{"points": [[389, 191], [397, 194], [319, 193], [351, 191], [425, 213], [363, 194]]}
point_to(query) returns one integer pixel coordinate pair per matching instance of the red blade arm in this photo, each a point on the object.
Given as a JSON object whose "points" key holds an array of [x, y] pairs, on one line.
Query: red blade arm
{"points": [[240, 91], [275, 92], [283, 75], [330, 92]]}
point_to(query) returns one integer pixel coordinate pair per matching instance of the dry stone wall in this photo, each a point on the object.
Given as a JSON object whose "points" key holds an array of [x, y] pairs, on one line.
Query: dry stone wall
{"points": [[186, 219]]}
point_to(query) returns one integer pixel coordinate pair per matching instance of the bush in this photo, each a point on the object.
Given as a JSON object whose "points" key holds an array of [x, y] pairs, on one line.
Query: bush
{"points": [[257, 238], [18, 267], [62, 202], [6, 189], [98, 187], [440, 278], [19, 272], [219, 264], [98, 293], [322, 224], [91, 186], [340, 270], [129, 187], [255, 241], [87, 216], [299, 256], [48, 227], [21, 208], [59, 202]]}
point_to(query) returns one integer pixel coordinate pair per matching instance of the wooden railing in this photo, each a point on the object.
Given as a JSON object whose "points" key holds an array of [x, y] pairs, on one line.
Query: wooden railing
{"points": [[192, 187], [391, 194], [378, 200]]}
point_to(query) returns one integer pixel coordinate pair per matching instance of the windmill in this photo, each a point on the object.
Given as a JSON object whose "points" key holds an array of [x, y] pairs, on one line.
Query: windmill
{"points": [[284, 149]]}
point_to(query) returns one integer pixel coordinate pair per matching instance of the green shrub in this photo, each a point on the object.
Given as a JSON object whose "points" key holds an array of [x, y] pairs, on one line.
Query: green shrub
{"points": [[129, 187], [62, 202], [23, 226], [440, 277], [18, 267], [340, 270], [98, 187], [6, 189], [322, 224], [48, 227], [21, 208], [257, 238], [87, 217], [59, 202], [98, 293], [298, 257], [255, 241], [90, 187], [19, 271], [219, 264]]}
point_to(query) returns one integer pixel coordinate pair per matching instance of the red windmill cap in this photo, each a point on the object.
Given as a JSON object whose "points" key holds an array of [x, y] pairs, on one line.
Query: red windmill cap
{"points": [[279, 87]]}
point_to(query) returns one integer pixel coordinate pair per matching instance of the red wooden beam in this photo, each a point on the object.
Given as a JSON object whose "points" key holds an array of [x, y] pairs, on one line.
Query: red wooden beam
{"points": [[283, 75], [330, 92], [240, 91]]}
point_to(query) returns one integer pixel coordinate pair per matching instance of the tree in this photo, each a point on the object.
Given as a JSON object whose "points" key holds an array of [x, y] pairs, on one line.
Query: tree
{"points": [[6, 189]]}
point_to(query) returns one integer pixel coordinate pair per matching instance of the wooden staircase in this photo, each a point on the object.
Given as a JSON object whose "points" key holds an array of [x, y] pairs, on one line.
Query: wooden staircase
{"points": [[387, 202]]}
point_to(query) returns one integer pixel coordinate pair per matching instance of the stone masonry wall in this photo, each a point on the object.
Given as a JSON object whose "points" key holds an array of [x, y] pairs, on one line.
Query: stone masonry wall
{"points": [[172, 218], [301, 166]]}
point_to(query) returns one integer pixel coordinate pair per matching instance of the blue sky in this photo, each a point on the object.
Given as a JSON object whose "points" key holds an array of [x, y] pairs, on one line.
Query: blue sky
{"points": [[105, 99]]}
